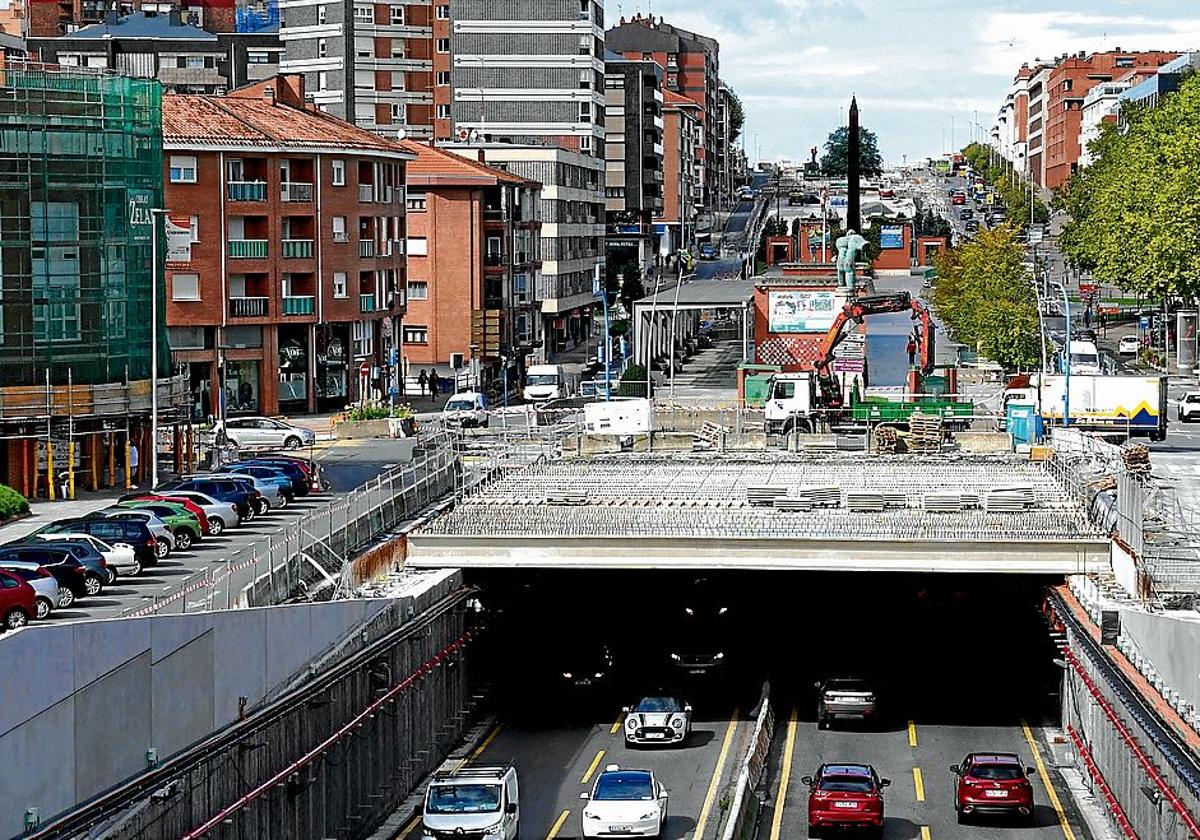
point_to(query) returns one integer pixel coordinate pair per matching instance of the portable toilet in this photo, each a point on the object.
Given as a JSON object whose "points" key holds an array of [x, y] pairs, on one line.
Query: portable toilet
{"points": [[1024, 423]]}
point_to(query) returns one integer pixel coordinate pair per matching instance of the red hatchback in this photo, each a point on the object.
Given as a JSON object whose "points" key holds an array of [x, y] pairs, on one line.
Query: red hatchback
{"points": [[845, 796], [958, 198], [992, 783], [18, 601]]}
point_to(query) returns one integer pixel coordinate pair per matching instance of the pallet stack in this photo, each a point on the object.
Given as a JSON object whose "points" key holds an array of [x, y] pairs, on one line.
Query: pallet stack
{"points": [[1137, 458], [924, 433], [885, 440]]}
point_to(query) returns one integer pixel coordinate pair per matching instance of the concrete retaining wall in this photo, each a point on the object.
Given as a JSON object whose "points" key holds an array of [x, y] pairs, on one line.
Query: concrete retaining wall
{"points": [[1172, 645], [82, 703]]}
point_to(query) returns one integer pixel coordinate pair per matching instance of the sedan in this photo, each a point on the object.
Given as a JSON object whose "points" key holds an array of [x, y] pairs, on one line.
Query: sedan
{"points": [[844, 699], [658, 720], [625, 803]]}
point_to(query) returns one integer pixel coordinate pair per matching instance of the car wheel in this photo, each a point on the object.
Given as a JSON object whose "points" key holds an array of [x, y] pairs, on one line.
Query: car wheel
{"points": [[292, 442], [284, 501], [111, 574], [215, 525], [137, 567], [162, 550], [15, 619], [264, 507], [92, 585], [250, 514], [65, 598], [183, 539], [43, 606]]}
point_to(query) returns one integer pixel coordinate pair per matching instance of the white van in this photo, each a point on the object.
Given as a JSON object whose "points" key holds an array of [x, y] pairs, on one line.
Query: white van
{"points": [[466, 408], [473, 801], [1085, 358], [545, 382]]}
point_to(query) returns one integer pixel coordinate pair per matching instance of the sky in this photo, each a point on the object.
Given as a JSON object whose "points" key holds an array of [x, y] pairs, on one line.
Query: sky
{"points": [[924, 71]]}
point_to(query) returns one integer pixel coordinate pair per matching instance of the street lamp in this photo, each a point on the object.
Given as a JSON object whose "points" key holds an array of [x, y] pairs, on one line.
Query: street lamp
{"points": [[1067, 390], [155, 212]]}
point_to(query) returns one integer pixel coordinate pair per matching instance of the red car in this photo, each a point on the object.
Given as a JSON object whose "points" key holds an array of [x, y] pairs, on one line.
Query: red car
{"points": [[958, 198], [992, 783], [18, 601], [845, 796], [191, 507]]}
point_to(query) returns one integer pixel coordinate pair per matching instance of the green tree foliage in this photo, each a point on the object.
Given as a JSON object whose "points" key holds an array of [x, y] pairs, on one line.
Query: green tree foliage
{"points": [[737, 117], [984, 296], [835, 161], [1135, 212], [12, 503], [1012, 190]]}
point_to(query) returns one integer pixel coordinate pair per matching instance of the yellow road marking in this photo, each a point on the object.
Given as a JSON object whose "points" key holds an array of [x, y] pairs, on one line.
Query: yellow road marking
{"points": [[912, 734], [478, 751], [408, 828], [592, 768], [785, 773], [711, 796], [925, 832], [616, 727], [558, 824], [1050, 792], [919, 784]]}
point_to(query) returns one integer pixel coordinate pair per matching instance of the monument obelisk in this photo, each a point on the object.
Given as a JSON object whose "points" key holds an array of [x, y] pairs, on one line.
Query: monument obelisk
{"points": [[853, 173]]}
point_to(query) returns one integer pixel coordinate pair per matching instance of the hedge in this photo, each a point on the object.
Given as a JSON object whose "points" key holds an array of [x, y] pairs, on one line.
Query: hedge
{"points": [[12, 503]]}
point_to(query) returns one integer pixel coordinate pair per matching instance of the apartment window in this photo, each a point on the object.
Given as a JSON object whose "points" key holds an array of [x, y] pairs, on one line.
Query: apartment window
{"points": [[185, 287], [339, 229], [585, 79], [418, 290], [193, 62], [672, 80], [443, 112], [364, 14], [322, 80], [339, 284], [416, 201], [194, 227], [399, 112], [321, 14], [337, 175], [585, 144], [443, 77], [364, 48], [443, 12], [183, 169], [186, 338], [258, 57], [521, 286], [364, 79], [585, 111], [398, 51], [416, 334], [443, 45], [1068, 84], [397, 15], [364, 341], [585, 44], [322, 48], [418, 246]]}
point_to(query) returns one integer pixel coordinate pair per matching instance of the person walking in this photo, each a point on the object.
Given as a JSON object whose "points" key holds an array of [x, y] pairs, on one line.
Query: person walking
{"points": [[912, 351], [133, 465], [434, 381], [422, 379]]}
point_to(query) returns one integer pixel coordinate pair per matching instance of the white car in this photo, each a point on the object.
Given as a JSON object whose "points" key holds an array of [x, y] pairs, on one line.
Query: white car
{"points": [[658, 720], [625, 803], [119, 556], [1189, 406], [265, 433], [466, 408], [1128, 345]]}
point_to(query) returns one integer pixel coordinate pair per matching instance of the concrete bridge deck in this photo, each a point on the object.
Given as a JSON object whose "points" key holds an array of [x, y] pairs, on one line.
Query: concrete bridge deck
{"points": [[638, 511]]}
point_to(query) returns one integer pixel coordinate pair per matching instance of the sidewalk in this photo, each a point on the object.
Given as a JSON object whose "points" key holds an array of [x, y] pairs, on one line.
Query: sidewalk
{"points": [[42, 512]]}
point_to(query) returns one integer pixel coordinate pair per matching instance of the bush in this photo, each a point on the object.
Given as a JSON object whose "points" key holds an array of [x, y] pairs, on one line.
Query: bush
{"points": [[12, 503], [633, 382], [379, 412]]}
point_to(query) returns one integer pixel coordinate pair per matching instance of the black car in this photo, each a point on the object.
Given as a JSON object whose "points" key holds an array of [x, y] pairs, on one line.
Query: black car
{"points": [[70, 573], [966, 213], [971, 225], [699, 642], [137, 535], [226, 490], [299, 478], [87, 554]]}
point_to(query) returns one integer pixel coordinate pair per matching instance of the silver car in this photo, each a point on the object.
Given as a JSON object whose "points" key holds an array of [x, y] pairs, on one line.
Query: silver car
{"points": [[845, 699], [48, 595], [266, 433], [221, 515], [162, 534]]}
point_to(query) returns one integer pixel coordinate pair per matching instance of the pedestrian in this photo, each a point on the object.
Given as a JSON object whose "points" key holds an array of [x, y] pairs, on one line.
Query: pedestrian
{"points": [[133, 464], [433, 384], [422, 379], [912, 351]]}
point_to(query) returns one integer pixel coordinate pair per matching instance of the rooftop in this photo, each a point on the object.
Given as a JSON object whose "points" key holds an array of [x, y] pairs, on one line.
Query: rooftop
{"points": [[142, 25], [434, 166]]}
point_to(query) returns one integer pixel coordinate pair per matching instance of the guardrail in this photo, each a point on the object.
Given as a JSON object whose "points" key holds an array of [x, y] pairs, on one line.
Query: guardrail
{"points": [[743, 810]]}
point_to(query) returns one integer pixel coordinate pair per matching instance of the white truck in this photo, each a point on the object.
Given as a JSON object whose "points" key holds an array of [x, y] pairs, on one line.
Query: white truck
{"points": [[1118, 405], [790, 404]]}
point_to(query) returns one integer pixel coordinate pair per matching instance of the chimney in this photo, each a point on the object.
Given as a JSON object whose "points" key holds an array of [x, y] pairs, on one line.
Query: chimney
{"points": [[269, 94], [174, 18]]}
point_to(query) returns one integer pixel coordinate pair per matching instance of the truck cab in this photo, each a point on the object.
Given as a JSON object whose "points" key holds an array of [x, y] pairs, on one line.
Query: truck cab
{"points": [[791, 398], [472, 801], [545, 382]]}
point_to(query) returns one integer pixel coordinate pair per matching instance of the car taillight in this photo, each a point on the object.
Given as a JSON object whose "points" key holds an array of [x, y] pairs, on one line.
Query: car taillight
{"points": [[151, 542]]}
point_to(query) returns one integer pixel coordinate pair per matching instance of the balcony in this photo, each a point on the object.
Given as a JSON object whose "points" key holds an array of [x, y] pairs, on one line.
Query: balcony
{"points": [[248, 307], [366, 303], [294, 191], [493, 260], [366, 192], [494, 214], [299, 304], [246, 190], [297, 249], [247, 249], [366, 248]]}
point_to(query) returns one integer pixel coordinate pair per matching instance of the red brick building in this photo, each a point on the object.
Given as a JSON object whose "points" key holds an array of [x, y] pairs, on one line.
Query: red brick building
{"points": [[297, 273], [683, 122], [53, 18], [474, 257], [1067, 85]]}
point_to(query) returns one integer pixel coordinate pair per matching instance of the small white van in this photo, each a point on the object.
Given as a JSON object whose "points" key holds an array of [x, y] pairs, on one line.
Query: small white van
{"points": [[472, 801], [545, 382]]}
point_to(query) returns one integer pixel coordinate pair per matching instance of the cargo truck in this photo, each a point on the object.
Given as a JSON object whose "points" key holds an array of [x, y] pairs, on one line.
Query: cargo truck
{"points": [[794, 403], [1125, 406]]}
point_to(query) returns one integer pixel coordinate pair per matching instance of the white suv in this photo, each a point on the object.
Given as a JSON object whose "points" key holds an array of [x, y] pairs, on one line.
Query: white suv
{"points": [[475, 801], [1189, 406]]}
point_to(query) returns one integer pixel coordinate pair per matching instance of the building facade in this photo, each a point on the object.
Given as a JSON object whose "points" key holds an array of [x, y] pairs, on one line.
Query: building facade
{"points": [[474, 264], [293, 297], [683, 191], [1166, 80], [55, 18], [572, 232], [1038, 100], [633, 150], [1101, 104], [368, 63], [80, 169]]}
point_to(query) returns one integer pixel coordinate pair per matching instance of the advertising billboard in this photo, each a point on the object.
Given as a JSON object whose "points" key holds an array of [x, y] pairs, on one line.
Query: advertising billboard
{"points": [[891, 237], [801, 311]]}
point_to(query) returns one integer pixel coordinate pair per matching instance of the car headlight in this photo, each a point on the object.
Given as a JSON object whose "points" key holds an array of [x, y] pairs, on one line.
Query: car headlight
{"points": [[631, 723], [677, 723], [567, 675], [494, 830], [675, 657], [588, 815], [719, 656], [598, 675], [649, 815]]}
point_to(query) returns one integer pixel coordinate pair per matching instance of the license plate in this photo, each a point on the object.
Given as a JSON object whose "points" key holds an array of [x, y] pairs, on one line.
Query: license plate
{"points": [[996, 794], [622, 829], [653, 735], [845, 804]]}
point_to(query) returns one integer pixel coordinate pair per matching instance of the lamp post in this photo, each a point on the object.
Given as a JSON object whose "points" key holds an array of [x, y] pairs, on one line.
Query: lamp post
{"points": [[1067, 390], [155, 213]]}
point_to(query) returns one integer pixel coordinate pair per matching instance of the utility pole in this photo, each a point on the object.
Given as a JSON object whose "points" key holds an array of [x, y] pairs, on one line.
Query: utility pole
{"points": [[155, 213]]}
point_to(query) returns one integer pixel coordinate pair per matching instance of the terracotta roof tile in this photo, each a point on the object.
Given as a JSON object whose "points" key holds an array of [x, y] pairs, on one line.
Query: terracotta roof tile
{"points": [[433, 163]]}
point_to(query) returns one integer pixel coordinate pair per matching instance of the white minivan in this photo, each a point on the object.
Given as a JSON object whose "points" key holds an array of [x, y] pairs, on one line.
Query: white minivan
{"points": [[545, 382], [479, 801], [1085, 358]]}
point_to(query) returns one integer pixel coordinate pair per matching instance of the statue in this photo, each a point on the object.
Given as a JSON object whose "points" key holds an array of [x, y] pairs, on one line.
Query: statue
{"points": [[848, 249]]}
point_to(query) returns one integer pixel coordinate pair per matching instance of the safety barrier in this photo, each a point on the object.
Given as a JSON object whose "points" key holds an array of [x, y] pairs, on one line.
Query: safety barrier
{"points": [[1110, 798], [743, 810]]}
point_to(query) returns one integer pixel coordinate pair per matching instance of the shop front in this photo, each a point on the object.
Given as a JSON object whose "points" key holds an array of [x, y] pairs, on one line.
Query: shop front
{"points": [[333, 381], [293, 369]]}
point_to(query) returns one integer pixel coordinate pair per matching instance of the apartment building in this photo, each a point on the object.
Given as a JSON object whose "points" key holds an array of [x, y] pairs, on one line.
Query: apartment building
{"points": [[691, 64], [572, 231], [633, 150], [683, 191], [474, 263], [55, 18], [369, 63], [294, 293], [1035, 154], [1101, 104], [1149, 90]]}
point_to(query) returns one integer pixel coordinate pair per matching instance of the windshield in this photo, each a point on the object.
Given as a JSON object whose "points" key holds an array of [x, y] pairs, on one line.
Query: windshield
{"points": [[1085, 360], [846, 685], [626, 787], [541, 379], [658, 704], [997, 772], [784, 391], [463, 799], [847, 784], [460, 405]]}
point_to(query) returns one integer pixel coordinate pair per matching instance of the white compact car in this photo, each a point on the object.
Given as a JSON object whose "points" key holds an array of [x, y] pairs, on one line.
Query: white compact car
{"points": [[625, 803], [1189, 406], [118, 555], [658, 720], [1129, 345]]}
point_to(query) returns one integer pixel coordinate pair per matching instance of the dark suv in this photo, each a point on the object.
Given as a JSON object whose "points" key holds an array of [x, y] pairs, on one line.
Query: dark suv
{"points": [[228, 490], [301, 485], [992, 783], [133, 533]]}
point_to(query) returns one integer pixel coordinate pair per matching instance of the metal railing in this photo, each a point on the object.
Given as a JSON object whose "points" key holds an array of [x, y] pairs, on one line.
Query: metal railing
{"points": [[248, 307], [366, 303], [366, 248], [246, 190], [295, 191], [299, 304], [366, 192], [247, 248], [297, 249]]}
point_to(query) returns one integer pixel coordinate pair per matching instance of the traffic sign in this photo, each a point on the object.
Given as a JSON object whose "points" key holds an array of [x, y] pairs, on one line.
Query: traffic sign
{"points": [[1144, 322], [364, 368]]}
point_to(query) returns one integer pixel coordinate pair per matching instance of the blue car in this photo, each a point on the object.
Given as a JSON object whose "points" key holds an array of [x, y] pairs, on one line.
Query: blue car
{"points": [[708, 251]]}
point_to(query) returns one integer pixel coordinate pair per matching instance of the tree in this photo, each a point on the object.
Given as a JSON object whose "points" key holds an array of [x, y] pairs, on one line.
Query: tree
{"points": [[737, 117], [835, 161]]}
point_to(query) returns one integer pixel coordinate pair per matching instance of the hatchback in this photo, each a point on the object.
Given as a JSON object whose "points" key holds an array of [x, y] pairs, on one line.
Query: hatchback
{"points": [[189, 505], [1129, 345], [71, 575], [163, 536], [136, 535], [992, 783], [265, 433], [119, 556], [845, 796], [88, 555], [182, 522], [301, 483], [48, 594], [219, 489], [270, 476], [17, 601]]}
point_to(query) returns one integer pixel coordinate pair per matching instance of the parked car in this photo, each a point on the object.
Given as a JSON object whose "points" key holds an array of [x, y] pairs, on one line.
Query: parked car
{"points": [[135, 534], [845, 699], [47, 592], [164, 538], [71, 574], [213, 515], [17, 601], [658, 720], [958, 198], [119, 556], [188, 505], [316, 475], [274, 487], [966, 213], [1129, 345], [220, 489], [1189, 406], [844, 796], [265, 433], [630, 803], [86, 554], [992, 783], [182, 522], [298, 475], [466, 408]]}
